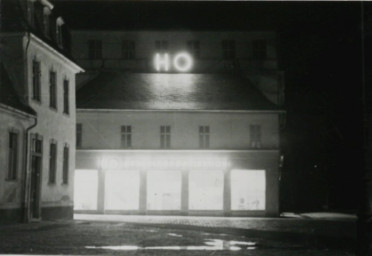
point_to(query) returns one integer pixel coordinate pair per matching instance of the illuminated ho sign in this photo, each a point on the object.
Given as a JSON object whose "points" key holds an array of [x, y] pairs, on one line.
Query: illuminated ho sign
{"points": [[181, 62]]}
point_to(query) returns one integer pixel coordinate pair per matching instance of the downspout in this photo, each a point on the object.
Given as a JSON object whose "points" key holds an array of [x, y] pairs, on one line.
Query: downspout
{"points": [[26, 183]]}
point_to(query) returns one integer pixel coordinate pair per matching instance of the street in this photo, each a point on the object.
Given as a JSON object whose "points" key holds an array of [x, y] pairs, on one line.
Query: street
{"points": [[259, 236]]}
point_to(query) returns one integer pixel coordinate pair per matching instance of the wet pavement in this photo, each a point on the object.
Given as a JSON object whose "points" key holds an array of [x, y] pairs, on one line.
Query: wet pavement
{"points": [[259, 236]]}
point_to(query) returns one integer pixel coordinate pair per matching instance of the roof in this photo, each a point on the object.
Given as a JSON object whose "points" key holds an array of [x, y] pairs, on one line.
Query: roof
{"points": [[8, 95], [152, 91]]}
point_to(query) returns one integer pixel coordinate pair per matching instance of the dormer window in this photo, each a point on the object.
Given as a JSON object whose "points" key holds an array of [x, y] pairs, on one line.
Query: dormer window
{"points": [[59, 24], [46, 21], [31, 12]]}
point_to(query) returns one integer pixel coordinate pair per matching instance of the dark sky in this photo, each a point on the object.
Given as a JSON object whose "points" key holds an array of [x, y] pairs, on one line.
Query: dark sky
{"points": [[320, 52]]}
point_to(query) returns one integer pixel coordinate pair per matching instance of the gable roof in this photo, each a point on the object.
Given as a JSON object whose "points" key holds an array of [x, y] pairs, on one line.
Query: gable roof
{"points": [[152, 91], [8, 95]]}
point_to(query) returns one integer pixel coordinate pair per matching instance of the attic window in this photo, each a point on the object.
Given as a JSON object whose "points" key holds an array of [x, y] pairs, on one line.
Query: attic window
{"points": [[46, 21], [31, 12], [59, 24]]}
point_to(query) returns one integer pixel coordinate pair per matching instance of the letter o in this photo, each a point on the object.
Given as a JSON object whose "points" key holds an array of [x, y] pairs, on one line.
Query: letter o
{"points": [[187, 62]]}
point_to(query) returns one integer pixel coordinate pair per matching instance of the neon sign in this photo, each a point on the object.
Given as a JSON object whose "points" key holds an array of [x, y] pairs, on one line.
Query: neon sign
{"points": [[182, 62]]}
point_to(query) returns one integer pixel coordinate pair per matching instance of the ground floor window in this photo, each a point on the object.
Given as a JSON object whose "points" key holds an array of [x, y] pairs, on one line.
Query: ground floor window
{"points": [[248, 189], [122, 190], [86, 190], [206, 190], [164, 190]]}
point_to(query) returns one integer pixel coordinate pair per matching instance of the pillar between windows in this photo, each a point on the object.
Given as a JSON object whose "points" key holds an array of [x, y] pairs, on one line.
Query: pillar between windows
{"points": [[185, 192], [101, 190], [143, 192], [227, 193]]}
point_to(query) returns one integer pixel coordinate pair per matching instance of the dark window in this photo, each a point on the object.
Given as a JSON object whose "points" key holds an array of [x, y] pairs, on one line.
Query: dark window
{"points": [[59, 35], [46, 24], [126, 136], [53, 89], [165, 136], [259, 49], [79, 135], [255, 136], [228, 49], [194, 48], [128, 50], [66, 103], [95, 49], [65, 164], [31, 12], [52, 162], [161, 46], [13, 155], [36, 80], [204, 136]]}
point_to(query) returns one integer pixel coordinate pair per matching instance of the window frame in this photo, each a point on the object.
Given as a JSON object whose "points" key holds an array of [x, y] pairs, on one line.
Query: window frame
{"points": [[95, 51], [13, 155], [53, 152], [228, 49], [66, 96], [165, 136], [126, 136], [194, 47], [161, 46], [79, 135], [36, 80], [204, 136], [65, 164], [128, 49], [53, 89], [255, 136]]}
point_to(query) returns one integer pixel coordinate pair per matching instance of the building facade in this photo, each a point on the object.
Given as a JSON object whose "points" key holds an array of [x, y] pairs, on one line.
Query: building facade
{"points": [[178, 122], [43, 78]]}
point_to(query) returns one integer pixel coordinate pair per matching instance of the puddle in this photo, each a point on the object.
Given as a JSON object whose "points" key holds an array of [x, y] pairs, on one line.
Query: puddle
{"points": [[210, 245], [174, 234]]}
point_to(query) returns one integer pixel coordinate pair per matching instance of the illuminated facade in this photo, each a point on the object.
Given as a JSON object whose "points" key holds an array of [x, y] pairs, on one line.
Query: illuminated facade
{"points": [[178, 122], [37, 129]]}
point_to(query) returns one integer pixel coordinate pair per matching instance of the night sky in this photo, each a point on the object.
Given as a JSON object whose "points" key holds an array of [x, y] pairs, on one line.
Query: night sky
{"points": [[320, 52]]}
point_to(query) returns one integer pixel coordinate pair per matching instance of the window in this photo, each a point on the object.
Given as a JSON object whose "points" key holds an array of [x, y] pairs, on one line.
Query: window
{"points": [[52, 89], [128, 50], [59, 35], [228, 49], [203, 136], [13, 155], [31, 12], [66, 103], [46, 21], [255, 135], [36, 80], [95, 49], [259, 49], [165, 136], [79, 135], [65, 164], [52, 162], [194, 48], [126, 136], [161, 46]]}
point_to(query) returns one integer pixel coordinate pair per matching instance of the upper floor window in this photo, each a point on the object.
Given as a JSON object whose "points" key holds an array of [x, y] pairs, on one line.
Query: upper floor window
{"points": [[59, 35], [228, 49], [65, 166], [128, 49], [46, 21], [53, 89], [36, 73], [31, 12], [259, 51], [13, 155], [66, 102], [52, 162], [255, 135], [203, 136], [79, 135], [161, 46], [194, 48], [95, 49], [165, 136], [126, 136]]}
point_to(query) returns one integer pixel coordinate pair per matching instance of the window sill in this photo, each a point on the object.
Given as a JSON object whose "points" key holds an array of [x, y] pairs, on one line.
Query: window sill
{"points": [[51, 183], [54, 109], [11, 180], [64, 184]]}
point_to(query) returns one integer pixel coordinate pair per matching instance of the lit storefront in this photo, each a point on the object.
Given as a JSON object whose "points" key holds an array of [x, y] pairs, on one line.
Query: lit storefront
{"points": [[183, 182]]}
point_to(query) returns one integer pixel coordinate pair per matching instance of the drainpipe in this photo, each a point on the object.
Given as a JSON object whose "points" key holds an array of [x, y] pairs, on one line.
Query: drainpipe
{"points": [[26, 183]]}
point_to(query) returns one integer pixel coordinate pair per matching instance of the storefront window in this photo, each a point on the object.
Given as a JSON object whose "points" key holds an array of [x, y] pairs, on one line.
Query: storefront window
{"points": [[86, 190], [122, 190], [248, 189], [206, 190], [164, 190]]}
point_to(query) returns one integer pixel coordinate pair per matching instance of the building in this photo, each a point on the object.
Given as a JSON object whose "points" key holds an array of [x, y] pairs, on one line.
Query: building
{"points": [[178, 122], [37, 113]]}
